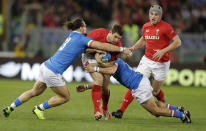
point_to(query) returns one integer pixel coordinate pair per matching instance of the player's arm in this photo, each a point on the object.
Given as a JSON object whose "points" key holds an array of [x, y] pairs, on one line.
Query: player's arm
{"points": [[98, 57], [110, 47], [109, 70], [91, 50], [139, 44], [176, 42]]}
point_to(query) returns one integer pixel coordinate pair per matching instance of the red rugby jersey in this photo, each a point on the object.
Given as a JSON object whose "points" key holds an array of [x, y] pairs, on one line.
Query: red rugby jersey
{"points": [[100, 35], [157, 37]]}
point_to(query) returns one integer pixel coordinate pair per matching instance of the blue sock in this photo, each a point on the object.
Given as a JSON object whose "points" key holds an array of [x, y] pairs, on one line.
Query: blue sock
{"points": [[171, 107], [46, 105], [176, 113], [17, 102]]}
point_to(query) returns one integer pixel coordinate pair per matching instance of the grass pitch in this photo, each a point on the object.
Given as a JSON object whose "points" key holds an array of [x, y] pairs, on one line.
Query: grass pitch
{"points": [[77, 114]]}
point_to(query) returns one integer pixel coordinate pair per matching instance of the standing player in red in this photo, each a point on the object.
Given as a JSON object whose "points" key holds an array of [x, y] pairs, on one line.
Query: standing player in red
{"points": [[100, 83], [159, 38]]}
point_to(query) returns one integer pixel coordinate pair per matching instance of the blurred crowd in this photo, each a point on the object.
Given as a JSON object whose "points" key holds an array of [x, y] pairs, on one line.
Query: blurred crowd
{"points": [[183, 15]]}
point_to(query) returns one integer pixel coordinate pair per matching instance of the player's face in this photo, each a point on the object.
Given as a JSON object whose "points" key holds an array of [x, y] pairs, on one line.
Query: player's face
{"points": [[84, 29], [114, 37], [154, 17]]}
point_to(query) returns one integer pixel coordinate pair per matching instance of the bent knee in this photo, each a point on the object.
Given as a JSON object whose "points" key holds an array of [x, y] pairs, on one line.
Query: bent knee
{"points": [[66, 98], [155, 92]]}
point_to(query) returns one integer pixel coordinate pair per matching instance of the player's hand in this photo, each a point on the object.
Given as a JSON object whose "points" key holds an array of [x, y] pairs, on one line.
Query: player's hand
{"points": [[158, 55], [128, 52], [131, 48], [80, 88], [90, 68]]}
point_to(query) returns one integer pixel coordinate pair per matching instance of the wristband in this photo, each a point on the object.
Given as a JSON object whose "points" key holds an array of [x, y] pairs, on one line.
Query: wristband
{"points": [[122, 49], [96, 69]]}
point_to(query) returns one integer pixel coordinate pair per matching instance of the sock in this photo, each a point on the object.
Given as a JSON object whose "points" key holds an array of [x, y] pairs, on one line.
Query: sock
{"points": [[96, 97], [128, 98], [105, 100], [44, 106], [15, 104], [160, 96], [176, 113], [171, 107]]}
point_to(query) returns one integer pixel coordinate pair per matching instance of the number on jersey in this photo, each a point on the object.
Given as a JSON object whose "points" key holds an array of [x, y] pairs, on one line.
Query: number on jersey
{"points": [[65, 43]]}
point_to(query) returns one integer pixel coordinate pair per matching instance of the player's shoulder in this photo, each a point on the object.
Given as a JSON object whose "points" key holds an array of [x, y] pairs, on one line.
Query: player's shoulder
{"points": [[100, 30], [164, 23], [147, 25]]}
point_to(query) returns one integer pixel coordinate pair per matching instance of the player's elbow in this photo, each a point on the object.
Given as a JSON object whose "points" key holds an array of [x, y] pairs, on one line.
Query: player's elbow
{"points": [[179, 43], [113, 70]]}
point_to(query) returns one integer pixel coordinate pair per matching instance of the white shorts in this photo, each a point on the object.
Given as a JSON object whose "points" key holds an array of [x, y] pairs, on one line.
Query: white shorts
{"points": [[87, 59], [144, 91], [50, 78], [156, 69]]}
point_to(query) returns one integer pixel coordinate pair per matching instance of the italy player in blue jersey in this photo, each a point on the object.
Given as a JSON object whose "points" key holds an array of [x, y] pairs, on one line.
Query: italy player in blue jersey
{"points": [[140, 87], [50, 74]]}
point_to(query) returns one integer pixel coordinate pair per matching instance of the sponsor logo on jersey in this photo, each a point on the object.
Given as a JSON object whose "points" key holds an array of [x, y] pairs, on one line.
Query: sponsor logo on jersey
{"points": [[152, 37]]}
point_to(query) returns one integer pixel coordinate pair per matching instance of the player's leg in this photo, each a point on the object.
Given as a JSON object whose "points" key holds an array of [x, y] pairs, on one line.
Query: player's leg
{"points": [[37, 89], [143, 68], [169, 106], [58, 85], [97, 93], [62, 97], [157, 92], [128, 98], [152, 107], [96, 86], [160, 73], [143, 95], [105, 97]]}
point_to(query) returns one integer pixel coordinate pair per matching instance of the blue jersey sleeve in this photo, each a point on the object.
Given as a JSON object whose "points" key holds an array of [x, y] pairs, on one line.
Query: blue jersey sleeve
{"points": [[88, 41]]}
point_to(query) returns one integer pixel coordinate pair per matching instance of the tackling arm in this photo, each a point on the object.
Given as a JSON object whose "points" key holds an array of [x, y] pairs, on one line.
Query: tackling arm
{"points": [[110, 48], [109, 70], [91, 50]]}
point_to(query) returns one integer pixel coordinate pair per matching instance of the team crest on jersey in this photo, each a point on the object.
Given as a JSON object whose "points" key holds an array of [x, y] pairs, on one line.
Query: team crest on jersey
{"points": [[147, 30], [157, 31]]}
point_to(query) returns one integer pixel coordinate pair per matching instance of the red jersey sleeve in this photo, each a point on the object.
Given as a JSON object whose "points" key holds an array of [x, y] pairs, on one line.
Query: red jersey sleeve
{"points": [[170, 33]]}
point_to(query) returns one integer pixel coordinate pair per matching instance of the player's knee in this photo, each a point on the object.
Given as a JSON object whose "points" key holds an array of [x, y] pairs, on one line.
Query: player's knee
{"points": [[66, 98], [155, 92], [98, 82]]}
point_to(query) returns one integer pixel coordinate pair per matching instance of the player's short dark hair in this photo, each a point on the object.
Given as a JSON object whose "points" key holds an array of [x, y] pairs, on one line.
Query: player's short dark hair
{"points": [[117, 29], [74, 24]]}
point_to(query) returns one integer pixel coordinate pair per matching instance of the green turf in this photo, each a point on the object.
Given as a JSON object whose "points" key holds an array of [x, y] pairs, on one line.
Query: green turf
{"points": [[77, 114]]}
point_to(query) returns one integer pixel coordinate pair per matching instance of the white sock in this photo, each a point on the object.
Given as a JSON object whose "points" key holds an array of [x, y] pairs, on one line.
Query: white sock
{"points": [[41, 107], [13, 105]]}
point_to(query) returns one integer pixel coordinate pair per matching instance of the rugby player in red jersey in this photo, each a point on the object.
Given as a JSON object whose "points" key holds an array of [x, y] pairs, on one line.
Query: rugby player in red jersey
{"points": [[159, 38], [100, 83]]}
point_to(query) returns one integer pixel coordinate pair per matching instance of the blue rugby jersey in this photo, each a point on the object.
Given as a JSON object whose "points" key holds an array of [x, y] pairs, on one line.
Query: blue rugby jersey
{"points": [[75, 44], [126, 76]]}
